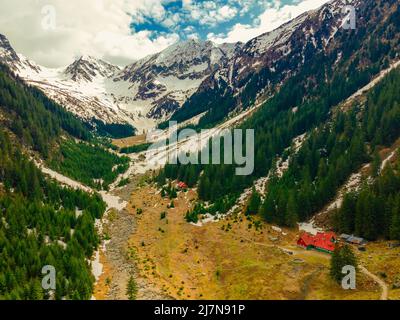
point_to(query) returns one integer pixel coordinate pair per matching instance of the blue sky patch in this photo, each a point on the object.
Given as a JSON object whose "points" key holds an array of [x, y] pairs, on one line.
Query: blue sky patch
{"points": [[200, 18]]}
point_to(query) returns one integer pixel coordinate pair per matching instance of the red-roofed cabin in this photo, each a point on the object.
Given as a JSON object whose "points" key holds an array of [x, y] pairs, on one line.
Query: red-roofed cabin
{"points": [[182, 185], [322, 241]]}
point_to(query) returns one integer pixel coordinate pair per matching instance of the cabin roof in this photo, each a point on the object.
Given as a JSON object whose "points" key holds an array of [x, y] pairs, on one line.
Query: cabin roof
{"points": [[322, 240], [354, 239]]}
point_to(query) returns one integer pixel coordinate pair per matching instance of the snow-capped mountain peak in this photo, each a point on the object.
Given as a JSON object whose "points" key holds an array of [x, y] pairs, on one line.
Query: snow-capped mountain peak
{"points": [[161, 83], [86, 68], [192, 52], [17, 62], [7, 53]]}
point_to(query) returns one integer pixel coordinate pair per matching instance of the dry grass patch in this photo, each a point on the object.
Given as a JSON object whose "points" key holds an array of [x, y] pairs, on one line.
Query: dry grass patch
{"points": [[129, 141]]}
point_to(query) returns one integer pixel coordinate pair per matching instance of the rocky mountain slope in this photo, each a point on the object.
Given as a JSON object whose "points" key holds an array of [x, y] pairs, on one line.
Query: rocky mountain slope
{"points": [[154, 88], [264, 63], [87, 68], [80, 87], [164, 81], [15, 61]]}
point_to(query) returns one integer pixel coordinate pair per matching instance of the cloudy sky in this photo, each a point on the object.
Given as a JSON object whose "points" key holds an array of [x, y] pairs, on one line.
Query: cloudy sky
{"points": [[54, 32]]}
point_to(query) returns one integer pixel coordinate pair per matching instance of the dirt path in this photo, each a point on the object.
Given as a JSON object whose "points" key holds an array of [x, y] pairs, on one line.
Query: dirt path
{"points": [[305, 288], [382, 284]]}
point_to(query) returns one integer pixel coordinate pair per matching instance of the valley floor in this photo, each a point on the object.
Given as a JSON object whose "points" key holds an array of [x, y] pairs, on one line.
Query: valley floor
{"points": [[226, 259]]}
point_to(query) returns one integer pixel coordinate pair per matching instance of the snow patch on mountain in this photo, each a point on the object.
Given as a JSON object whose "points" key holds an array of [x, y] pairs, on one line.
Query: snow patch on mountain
{"points": [[82, 91], [258, 46], [87, 68], [161, 83]]}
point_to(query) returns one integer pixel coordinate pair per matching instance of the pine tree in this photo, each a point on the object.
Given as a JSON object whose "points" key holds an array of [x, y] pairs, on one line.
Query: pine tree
{"points": [[395, 223], [36, 291], [336, 265], [291, 217], [376, 164], [131, 290], [369, 218], [173, 194], [268, 210], [341, 257], [347, 214], [348, 257], [254, 202]]}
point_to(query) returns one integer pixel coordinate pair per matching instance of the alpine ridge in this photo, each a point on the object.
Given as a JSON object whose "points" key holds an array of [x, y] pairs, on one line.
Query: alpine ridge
{"points": [[141, 94]]}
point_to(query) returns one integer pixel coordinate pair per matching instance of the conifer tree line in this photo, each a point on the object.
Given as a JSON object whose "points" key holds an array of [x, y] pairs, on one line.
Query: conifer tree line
{"points": [[275, 125], [324, 80], [111, 130], [42, 223], [88, 163], [374, 211], [34, 118]]}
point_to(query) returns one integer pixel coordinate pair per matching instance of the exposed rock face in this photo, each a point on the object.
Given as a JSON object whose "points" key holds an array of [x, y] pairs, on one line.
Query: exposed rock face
{"points": [[164, 81], [9, 57], [87, 68], [261, 65], [7, 53]]}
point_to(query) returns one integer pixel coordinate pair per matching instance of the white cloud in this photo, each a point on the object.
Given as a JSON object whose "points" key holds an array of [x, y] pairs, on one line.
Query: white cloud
{"points": [[208, 13], [95, 27], [273, 17], [102, 27], [226, 13], [172, 21]]}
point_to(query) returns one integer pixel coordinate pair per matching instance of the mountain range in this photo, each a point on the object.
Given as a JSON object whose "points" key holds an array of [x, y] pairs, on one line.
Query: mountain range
{"points": [[140, 94], [172, 84]]}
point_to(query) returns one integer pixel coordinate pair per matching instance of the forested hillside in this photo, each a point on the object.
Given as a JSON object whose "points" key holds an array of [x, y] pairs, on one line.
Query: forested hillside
{"points": [[111, 130], [88, 163], [374, 211], [40, 124], [332, 153], [34, 118], [42, 224]]}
